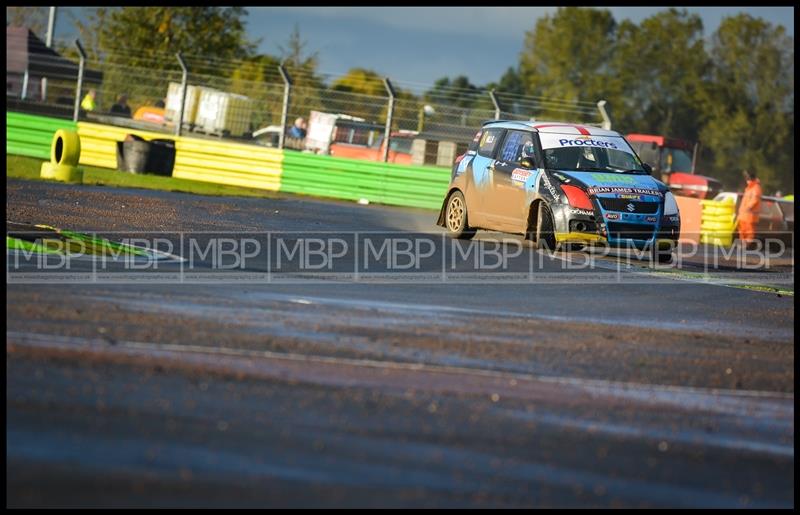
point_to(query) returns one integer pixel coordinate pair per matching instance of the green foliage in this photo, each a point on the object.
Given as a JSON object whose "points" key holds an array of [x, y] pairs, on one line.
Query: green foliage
{"points": [[35, 18], [255, 78], [749, 103], [660, 70], [123, 41], [735, 93], [459, 92], [567, 57]]}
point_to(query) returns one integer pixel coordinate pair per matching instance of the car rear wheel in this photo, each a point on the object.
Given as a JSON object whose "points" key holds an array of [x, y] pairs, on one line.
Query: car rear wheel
{"points": [[545, 228], [456, 218]]}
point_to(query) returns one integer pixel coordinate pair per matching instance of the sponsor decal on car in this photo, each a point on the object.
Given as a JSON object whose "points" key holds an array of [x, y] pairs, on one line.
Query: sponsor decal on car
{"points": [[622, 189], [629, 197], [612, 216], [583, 212], [520, 174], [614, 178], [651, 219], [554, 140], [586, 142], [673, 218], [550, 187]]}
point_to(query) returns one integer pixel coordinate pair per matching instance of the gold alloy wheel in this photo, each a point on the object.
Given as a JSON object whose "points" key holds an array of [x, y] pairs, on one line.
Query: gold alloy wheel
{"points": [[455, 213]]}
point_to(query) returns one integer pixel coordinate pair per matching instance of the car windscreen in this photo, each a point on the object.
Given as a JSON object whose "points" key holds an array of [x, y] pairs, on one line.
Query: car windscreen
{"points": [[676, 160], [589, 153]]}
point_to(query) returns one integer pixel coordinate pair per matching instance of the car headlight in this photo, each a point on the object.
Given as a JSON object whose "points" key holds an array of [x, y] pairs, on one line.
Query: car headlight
{"points": [[670, 205]]}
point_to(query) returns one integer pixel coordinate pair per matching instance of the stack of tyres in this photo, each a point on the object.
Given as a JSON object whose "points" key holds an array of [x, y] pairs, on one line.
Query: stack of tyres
{"points": [[718, 222], [65, 152]]}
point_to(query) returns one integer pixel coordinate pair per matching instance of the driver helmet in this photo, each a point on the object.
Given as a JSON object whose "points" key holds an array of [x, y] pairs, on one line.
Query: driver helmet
{"points": [[528, 149]]}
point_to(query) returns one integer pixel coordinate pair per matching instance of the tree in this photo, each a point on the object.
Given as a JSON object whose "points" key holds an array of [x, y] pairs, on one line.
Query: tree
{"points": [[132, 44], [660, 66], [509, 92], [256, 78], [360, 92], [749, 104], [35, 18], [459, 92], [566, 58]]}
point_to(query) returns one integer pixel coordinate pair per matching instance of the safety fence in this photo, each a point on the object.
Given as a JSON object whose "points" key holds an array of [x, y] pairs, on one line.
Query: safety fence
{"points": [[224, 162]]}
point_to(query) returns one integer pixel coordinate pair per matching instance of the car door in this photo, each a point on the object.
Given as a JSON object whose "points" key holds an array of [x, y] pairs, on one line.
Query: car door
{"points": [[507, 199], [482, 180]]}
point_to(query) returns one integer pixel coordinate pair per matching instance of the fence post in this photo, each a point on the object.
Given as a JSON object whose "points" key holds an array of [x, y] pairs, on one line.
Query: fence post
{"points": [[184, 79], [496, 104], [601, 105], [387, 137], [81, 64], [287, 86]]}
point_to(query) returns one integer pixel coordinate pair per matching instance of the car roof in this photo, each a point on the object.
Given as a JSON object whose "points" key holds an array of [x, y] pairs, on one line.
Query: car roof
{"points": [[543, 126]]}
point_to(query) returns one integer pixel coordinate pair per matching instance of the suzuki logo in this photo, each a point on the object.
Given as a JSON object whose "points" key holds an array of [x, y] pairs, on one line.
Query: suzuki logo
{"points": [[630, 207]]}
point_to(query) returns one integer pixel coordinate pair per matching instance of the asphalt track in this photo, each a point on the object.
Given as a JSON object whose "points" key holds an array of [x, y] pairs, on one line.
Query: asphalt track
{"points": [[602, 387]]}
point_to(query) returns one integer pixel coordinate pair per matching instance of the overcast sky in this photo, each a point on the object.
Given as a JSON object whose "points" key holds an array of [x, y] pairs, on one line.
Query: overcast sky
{"points": [[422, 44]]}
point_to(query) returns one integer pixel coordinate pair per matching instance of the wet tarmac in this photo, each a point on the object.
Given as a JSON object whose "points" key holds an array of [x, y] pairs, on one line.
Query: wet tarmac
{"points": [[335, 391]]}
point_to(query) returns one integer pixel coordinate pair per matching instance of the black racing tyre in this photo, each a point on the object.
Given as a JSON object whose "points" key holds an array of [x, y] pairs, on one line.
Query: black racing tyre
{"points": [[574, 247], [455, 217], [545, 228], [660, 256]]}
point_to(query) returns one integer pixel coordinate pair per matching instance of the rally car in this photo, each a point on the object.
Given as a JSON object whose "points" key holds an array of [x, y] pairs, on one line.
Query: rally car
{"points": [[561, 185]]}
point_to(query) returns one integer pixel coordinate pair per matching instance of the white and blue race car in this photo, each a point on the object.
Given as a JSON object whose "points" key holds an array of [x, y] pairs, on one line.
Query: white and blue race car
{"points": [[560, 185]]}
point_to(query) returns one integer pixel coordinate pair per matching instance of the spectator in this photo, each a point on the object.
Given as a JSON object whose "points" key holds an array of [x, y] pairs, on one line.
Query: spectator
{"points": [[88, 102], [121, 108], [160, 104], [298, 130], [749, 209]]}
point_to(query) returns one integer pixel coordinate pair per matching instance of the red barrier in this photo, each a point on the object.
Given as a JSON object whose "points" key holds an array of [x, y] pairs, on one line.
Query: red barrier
{"points": [[691, 213]]}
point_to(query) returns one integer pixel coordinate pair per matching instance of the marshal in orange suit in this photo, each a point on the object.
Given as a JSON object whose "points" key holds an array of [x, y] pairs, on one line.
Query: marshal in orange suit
{"points": [[749, 208]]}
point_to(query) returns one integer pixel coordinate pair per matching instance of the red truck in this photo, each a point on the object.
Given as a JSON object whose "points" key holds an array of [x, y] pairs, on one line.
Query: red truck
{"points": [[672, 161]]}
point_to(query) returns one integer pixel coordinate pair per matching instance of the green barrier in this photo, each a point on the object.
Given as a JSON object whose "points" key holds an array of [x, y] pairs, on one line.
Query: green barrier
{"points": [[30, 135], [353, 179]]}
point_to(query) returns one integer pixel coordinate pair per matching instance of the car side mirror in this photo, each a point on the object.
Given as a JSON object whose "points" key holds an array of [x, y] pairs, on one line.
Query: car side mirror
{"points": [[647, 168], [527, 162]]}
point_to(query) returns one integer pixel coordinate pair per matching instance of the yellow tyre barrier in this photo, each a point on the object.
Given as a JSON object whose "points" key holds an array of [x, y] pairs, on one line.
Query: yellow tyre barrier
{"points": [[63, 173], [65, 152], [718, 211], [66, 148], [718, 222], [718, 219]]}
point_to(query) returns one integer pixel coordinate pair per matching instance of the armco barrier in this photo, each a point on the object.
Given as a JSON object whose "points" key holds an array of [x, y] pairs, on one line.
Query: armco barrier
{"points": [[29, 135], [99, 142], [260, 167], [352, 179], [250, 166], [196, 159]]}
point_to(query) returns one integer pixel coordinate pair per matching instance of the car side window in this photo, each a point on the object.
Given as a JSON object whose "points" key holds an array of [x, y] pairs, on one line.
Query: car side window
{"points": [[473, 145], [517, 144], [489, 141]]}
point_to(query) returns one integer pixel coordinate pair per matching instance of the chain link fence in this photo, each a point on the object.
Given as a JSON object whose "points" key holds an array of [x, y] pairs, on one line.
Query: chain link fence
{"points": [[246, 101]]}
